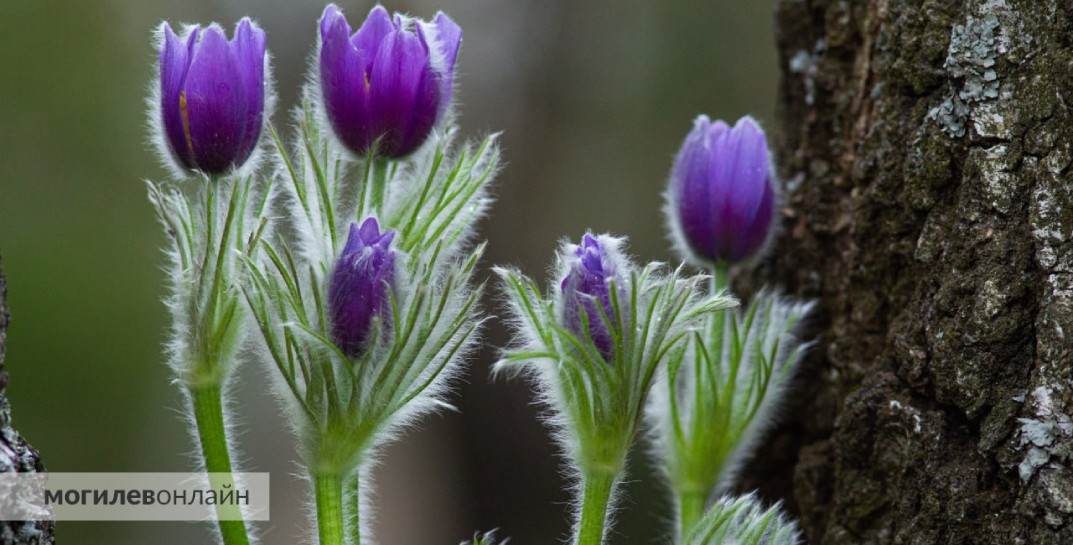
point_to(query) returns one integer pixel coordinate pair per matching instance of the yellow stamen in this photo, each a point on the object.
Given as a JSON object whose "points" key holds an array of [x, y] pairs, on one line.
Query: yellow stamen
{"points": [[186, 120]]}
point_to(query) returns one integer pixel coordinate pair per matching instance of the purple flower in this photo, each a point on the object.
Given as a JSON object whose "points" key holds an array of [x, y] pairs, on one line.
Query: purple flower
{"points": [[212, 95], [721, 196], [384, 81], [587, 287], [360, 284]]}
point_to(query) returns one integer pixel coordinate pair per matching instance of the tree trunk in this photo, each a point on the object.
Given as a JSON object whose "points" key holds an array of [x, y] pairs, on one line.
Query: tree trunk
{"points": [[16, 455], [925, 151]]}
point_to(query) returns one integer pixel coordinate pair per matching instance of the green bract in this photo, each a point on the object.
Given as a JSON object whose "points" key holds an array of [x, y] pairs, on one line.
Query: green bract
{"points": [[718, 395], [597, 403], [344, 405], [742, 521]]}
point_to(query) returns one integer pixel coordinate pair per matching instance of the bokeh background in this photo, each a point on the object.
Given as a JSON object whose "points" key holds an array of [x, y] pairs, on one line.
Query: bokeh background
{"points": [[593, 99]]}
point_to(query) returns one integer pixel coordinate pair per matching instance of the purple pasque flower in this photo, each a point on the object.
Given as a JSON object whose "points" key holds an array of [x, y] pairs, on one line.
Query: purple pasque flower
{"points": [[212, 95], [360, 286], [587, 287], [722, 201], [387, 81]]}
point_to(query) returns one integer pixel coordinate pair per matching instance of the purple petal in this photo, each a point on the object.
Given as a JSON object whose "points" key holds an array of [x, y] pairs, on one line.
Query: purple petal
{"points": [[248, 45], [692, 192], [757, 232], [359, 291], [406, 101], [449, 38], [174, 62], [378, 83], [722, 188], [343, 82], [328, 19], [370, 36], [587, 289], [214, 103]]}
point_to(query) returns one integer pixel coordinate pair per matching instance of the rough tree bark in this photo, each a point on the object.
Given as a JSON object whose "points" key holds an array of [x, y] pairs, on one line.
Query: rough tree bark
{"points": [[15, 453], [925, 147]]}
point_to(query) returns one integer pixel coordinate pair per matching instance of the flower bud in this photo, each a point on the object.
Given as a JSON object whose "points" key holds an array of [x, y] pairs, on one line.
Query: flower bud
{"points": [[360, 284], [212, 95], [721, 196], [586, 288], [388, 80]]}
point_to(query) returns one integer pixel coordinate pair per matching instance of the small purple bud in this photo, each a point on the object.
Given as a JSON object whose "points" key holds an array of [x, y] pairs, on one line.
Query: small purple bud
{"points": [[587, 286], [384, 81], [360, 284], [212, 95], [722, 199]]}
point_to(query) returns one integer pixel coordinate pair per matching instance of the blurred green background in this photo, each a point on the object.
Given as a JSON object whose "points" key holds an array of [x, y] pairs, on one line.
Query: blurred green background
{"points": [[593, 99]]}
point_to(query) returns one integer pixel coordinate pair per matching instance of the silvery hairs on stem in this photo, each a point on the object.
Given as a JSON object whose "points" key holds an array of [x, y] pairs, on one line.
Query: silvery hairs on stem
{"points": [[717, 397], [343, 398], [593, 343], [743, 521]]}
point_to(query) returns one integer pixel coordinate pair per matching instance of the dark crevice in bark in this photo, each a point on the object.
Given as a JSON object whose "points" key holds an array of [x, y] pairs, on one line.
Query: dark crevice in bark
{"points": [[925, 147]]}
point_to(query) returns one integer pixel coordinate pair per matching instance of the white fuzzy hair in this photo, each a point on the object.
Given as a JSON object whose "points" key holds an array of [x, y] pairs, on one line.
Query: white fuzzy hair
{"points": [[743, 520]]}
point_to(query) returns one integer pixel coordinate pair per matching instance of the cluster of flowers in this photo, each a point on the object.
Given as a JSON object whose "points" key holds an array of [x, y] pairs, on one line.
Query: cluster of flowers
{"points": [[346, 262]]}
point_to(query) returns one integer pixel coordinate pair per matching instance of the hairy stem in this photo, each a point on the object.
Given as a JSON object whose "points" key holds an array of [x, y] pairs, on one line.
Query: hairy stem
{"points": [[595, 500], [329, 491], [209, 418], [355, 516], [380, 174]]}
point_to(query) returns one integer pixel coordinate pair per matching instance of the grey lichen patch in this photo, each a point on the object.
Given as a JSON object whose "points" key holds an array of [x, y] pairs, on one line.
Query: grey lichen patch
{"points": [[976, 46], [1047, 436]]}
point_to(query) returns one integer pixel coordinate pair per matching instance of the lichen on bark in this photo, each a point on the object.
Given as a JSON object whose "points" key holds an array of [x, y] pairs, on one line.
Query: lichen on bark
{"points": [[926, 146], [16, 455]]}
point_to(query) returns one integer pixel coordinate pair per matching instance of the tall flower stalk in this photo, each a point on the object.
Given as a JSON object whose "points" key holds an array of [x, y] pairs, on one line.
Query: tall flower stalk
{"points": [[593, 345], [366, 303], [207, 116], [718, 394]]}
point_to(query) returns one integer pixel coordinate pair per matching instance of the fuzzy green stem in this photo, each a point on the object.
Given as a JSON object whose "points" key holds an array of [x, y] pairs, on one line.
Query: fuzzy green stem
{"points": [[209, 417], [595, 500], [328, 488], [355, 515], [380, 173], [690, 510]]}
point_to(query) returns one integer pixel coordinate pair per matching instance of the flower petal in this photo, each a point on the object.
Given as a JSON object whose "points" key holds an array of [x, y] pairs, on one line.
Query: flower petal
{"points": [[248, 45], [214, 103], [449, 40], [175, 55], [406, 101], [374, 29], [343, 82]]}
